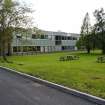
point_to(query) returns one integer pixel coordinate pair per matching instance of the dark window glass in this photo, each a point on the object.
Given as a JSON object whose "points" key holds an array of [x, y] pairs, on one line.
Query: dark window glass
{"points": [[74, 38], [63, 37], [57, 42], [34, 36], [69, 38]]}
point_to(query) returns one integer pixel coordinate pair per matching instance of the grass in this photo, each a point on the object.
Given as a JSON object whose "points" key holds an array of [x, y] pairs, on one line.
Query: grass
{"points": [[85, 74]]}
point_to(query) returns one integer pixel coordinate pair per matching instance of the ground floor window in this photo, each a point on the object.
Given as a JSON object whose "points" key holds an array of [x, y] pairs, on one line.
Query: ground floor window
{"points": [[68, 47], [17, 49], [25, 48]]}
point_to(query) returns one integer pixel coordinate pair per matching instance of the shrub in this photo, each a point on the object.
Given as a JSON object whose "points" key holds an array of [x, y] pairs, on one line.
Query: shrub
{"points": [[101, 59], [68, 58]]}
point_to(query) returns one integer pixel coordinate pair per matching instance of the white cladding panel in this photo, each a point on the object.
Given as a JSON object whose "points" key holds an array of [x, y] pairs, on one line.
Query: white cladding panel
{"points": [[33, 42], [58, 48], [68, 42]]}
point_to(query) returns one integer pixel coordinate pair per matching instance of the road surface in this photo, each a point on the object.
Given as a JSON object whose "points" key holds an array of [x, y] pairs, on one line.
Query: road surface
{"points": [[16, 90]]}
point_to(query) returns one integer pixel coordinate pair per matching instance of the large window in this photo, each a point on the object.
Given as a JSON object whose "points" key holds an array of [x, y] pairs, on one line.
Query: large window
{"points": [[74, 38], [68, 47], [34, 36], [70, 38], [58, 40]]}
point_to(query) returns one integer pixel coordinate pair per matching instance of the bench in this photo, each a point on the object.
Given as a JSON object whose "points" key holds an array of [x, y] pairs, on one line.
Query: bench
{"points": [[68, 58], [101, 59]]}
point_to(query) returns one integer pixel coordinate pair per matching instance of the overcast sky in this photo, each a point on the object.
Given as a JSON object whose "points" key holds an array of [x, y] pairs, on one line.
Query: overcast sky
{"points": [[64, 15]]}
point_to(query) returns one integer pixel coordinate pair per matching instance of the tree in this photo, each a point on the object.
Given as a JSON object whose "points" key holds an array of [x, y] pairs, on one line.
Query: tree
{"points": [[85, 39], [12, 14], [100, 27]]}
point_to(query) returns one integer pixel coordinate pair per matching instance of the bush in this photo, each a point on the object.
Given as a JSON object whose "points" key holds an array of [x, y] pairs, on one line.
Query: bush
{"points": [[101, 59], [69, 58]]}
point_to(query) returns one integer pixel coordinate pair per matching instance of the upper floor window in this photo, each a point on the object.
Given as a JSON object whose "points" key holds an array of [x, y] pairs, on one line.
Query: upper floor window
{"points": [[70, 38], [74, 38]]}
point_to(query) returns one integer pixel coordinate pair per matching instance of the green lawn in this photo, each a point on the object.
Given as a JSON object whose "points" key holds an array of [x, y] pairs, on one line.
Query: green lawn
{"points": [[84, 74]]}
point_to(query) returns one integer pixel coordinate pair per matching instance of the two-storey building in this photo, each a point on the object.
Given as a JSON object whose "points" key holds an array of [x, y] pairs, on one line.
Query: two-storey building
{"points": [[49, 41]]}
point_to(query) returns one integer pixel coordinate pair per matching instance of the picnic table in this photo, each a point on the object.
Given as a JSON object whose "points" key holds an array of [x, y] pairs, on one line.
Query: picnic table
{"points": [[101, 59], [69, 58]]}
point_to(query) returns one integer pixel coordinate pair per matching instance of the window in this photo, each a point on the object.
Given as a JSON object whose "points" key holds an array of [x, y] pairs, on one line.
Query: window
{"points": [[57, 42], [69, 38], [74, 38], [63, 38], [34, 36]]}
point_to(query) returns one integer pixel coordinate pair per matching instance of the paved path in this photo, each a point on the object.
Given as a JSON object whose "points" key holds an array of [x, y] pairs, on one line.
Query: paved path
{"points": [[16, 90]]}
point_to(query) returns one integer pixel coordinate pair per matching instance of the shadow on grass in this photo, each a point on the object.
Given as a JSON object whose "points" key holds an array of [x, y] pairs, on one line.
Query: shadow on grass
{"points": [[6, 61], [92, 53]]}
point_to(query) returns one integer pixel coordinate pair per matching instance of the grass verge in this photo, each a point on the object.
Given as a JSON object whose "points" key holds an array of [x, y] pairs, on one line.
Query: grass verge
{"points": [[85, 74]]}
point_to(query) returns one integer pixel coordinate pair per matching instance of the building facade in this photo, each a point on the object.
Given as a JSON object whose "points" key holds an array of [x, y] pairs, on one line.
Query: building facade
{"points": [[48, 41]]}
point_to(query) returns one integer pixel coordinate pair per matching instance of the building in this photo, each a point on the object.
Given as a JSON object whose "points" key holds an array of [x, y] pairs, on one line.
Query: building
{"points": [[48, 41]]}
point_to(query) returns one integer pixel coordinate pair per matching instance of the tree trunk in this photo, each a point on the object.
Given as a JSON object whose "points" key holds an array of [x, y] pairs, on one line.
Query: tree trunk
{"points": [[103, 49], [103, 42], [9, 50], [4, 56], [88, 50], [3, 51], [0, 49]]}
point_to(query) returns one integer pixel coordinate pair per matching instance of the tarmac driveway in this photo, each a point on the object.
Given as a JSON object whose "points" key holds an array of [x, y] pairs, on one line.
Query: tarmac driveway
{"points": [[16, 90]]}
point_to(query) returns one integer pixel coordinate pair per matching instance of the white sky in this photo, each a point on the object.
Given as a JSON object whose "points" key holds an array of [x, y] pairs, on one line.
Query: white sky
{"points": [[64, 15]]}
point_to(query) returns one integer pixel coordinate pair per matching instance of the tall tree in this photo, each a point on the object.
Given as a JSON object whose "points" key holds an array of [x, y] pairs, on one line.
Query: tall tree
{"points": [[84, 40], [100, 27], [12, 14]]}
